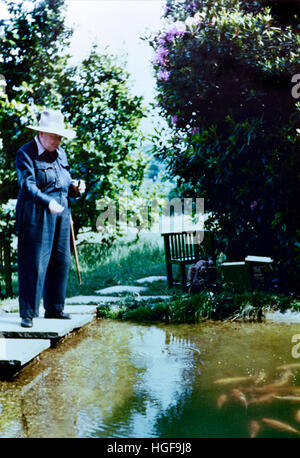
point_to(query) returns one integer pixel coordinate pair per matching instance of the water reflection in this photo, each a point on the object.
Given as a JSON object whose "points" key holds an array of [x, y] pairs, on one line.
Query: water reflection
{"points": [[117, 379]]}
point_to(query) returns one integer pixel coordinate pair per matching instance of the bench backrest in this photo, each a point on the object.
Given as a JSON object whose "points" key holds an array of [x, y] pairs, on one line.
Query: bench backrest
{"points": [[187, 245]]}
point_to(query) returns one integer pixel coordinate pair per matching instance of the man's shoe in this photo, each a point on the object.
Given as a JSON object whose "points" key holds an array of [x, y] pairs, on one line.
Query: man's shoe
{"points": [[58, 315], [26, 323]]}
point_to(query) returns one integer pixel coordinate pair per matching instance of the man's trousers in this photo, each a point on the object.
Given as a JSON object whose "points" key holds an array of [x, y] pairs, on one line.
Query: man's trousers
{"points": [[43, 257]]}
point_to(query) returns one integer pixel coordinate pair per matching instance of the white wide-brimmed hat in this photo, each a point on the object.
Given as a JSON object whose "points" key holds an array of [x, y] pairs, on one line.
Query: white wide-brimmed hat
{"points": [[52, 122]]}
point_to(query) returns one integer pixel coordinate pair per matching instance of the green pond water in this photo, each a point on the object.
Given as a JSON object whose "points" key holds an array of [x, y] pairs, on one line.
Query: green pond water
{"points": [[119, 379]]}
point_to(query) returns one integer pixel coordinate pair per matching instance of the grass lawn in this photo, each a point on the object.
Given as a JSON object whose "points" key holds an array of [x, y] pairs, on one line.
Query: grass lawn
{"points": [[122, 264]]}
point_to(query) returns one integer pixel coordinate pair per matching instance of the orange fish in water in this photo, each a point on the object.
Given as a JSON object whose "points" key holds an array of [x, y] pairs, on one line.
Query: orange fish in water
{"points": [[273, 388], [221, 400], [284, 379], [264, 398], [239, 396], [289, 398], [297, 416], [254, 428], [280, 425], [289, 366], [229, 380]]}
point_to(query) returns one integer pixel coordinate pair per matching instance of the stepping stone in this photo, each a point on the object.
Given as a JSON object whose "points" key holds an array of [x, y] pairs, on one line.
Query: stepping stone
{"points": [[42, 328], [71, 309], [122, 289], [81, 309], [81, 300], [15, 353], [151, 279]]}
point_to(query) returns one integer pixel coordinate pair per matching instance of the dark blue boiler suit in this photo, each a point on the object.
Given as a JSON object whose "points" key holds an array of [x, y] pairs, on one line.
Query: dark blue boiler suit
{"points": [[43, 237]]}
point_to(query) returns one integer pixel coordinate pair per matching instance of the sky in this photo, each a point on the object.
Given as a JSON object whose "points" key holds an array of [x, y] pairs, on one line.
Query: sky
{"points": [[118, 25]]}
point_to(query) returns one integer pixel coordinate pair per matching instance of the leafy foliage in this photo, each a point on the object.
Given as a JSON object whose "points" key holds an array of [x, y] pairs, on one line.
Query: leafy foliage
{"points": [[205, 305], [224, 74]]}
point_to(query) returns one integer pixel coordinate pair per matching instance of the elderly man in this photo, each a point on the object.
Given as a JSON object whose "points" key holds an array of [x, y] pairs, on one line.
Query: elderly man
{"points": [[43, 219]]}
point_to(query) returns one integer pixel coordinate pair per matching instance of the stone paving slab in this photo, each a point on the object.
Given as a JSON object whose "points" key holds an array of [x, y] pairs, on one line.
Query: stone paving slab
{"points": [[81, 309], [15, 353], [82, 300], [121, 289], [71, 309], [42, 328], [151, 279]]}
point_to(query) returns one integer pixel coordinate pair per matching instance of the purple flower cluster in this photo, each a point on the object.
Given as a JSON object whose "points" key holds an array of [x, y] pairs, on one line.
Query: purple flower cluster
{"points": [[163, 75], [177, 29], [161, 56]]}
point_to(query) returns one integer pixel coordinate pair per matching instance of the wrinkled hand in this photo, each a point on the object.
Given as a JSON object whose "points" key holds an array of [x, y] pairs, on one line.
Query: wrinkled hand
{"points": [[55, 207], [79, 186]]}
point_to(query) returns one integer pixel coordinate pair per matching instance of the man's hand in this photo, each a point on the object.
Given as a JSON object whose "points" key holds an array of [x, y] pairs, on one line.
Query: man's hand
{"points": [[55, 207]]}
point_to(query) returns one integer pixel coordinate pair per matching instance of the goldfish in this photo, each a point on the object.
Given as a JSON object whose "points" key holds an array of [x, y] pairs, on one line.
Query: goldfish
{"points": [[221, 400], [264, 398], [271, 388], [239, 396], [254, 428], [280, 425], [229, 380], [289, 398], [284, 379], [289, 366]]}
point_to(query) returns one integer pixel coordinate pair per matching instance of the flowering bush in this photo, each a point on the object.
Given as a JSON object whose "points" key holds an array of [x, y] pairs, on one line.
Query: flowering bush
{"points": [[224, 74]]}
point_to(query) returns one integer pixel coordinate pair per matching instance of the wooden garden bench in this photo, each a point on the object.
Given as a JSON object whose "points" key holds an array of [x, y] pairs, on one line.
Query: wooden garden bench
{"points": [[183, 248]]}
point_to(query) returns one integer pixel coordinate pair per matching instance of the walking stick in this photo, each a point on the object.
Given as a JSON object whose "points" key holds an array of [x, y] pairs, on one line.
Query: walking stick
{"points": [[75, 250]]}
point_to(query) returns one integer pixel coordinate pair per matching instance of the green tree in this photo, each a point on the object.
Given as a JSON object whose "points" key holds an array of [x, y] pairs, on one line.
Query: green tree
{"points": [[224, 74], [33, 50]]}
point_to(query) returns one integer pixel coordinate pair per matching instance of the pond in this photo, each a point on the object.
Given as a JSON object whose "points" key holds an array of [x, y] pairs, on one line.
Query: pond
{"points": [[119, 379]]}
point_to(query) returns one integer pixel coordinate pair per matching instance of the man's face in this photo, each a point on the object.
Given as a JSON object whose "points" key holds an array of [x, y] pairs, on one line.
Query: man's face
{"points": [[49, 141]]}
